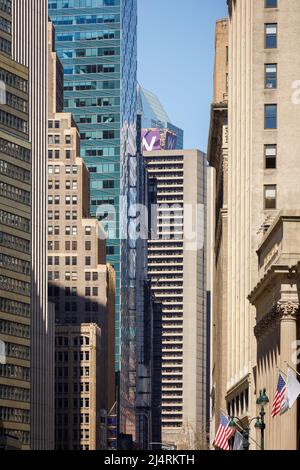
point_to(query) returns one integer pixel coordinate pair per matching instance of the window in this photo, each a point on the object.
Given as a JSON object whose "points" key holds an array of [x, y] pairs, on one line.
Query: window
{"points": [[271, 76], [68, 154], [271, 3], [271, 116], [88, 261], [270, 157], [88, 230], [88, 246], [270, 197], [271, 36], [87, 276], [68, 139]]}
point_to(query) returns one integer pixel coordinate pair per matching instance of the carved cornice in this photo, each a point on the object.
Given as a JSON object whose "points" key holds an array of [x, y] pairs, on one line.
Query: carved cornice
{"points": [[282, 310]]}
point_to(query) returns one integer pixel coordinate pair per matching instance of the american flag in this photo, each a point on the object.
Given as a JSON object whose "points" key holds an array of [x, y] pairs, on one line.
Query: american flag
{"points": [[279, 399], [224, 433]]}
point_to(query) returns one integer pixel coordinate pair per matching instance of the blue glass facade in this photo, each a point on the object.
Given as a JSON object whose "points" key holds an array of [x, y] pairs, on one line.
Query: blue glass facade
{"points": [[96, 42]]}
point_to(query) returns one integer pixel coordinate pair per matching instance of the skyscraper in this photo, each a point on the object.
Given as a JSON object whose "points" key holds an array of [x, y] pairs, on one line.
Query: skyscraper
{"points": [[155, 116], [29, 48], [15, 246], [81, 285], [96, 42], [177, 270]]}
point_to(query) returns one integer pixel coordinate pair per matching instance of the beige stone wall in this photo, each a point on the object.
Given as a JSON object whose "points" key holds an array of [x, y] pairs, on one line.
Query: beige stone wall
{"points": [[247, 176]]}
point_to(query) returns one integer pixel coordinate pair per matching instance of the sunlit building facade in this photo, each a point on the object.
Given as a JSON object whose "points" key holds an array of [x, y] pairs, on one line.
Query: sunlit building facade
{"points": [[96, 42]]}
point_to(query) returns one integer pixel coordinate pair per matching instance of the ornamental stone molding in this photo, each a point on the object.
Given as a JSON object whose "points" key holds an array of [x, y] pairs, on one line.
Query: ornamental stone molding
{"points": [[288, 310], [225, 165], [281, 311]]}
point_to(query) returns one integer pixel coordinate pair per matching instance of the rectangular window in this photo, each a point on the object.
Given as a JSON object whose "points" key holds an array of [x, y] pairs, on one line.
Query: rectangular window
{"points": [[271, 76], [270, 157], [271, 116], [271, 3], [271, 36], [270, 197]]}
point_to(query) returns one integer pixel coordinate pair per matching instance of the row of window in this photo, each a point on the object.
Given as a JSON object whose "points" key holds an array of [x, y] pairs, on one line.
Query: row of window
{"points": [[56, 139], [12, 371], [63, 356], [13, 81], [73, 306], [14, 243], [69, 261], [64, 403], [13, 285], [60, 4], [69, 185], [91, 102], [14, 150], [16, 102], [5, 46], [85, 19], [76, 341], [14, 393], [82, 387], [15, 194], [15, 172], [14, 308], [91, 68], [5, 5], [55, 154], [14, 329], [14, 415], [102, 135], [15, 221], [91, 85], [5, 25], [69, 215], [64, 372], [15, 264], [87, 36], [56, 200], [17, 351], [270, 151], [90, 52], [12, 121]]}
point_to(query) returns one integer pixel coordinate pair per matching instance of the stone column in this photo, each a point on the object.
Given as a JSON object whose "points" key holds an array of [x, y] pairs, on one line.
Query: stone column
{"points": [[288, 311]]}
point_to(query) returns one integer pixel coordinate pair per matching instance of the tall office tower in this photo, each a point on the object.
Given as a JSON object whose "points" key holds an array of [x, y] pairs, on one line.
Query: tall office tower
{"points": [[176, 268], [15, 249], [154, 116], [29, 48], [81, 285], [217, 157], [263, 209], [96, 42]]}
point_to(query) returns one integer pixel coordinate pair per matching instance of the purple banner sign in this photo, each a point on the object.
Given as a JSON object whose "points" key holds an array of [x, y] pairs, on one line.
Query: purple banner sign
{"points": [[151, 140]]}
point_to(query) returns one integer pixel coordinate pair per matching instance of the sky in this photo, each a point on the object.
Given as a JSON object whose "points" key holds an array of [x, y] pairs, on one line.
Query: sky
{"points": [[176, 58]]}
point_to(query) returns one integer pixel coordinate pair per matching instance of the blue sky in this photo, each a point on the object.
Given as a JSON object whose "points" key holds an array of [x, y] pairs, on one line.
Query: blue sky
{"points": [[175, 60]]}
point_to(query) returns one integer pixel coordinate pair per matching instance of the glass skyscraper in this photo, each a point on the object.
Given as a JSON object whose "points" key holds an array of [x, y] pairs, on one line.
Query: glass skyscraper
{"points": [[96, 42]]}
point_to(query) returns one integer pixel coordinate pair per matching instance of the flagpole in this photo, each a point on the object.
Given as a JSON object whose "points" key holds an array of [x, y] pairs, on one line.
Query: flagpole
{"points": [[296, 372]]}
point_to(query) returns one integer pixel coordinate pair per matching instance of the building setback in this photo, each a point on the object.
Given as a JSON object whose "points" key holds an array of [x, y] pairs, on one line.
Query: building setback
{"points": [[81, 285], [176, 269], [29, 48], [96, 42], [15, 246]]}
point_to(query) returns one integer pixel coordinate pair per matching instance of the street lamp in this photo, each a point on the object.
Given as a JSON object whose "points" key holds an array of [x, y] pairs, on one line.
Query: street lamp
{"points": [[262, 401]]}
